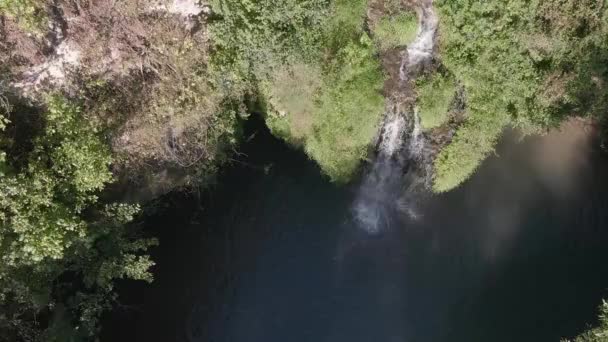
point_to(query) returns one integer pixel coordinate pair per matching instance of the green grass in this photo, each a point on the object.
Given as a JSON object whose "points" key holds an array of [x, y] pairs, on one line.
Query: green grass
{"points": [[331, 106], [397, 30], [435, 95], [291, 95], [344, 23], [500, 82], [348, 113], [472, 143]]}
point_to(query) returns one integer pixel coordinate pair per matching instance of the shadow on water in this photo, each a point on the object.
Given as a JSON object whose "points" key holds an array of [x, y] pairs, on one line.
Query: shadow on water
{"points": [[271, 254]]}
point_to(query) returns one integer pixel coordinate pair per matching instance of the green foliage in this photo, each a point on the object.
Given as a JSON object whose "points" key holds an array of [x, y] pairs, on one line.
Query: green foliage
{"points": [[480, 44], [344, 23], [435, 95], [472, 143], [30, 14], [291, 95], [346, 105], [395, 30], [108, 253], [522, 63], [253, 37], [51, 221], [40, 205], [350, 107], [274, 50], [599, 333]]}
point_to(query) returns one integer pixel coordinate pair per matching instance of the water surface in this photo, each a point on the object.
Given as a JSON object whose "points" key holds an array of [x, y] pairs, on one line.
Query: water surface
{"points": [[271, 254]]}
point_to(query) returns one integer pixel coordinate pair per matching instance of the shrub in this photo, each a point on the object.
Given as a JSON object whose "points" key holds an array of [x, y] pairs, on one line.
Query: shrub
{"points": [[349, 111], [395, 30], [599, 333], [291, 96], [435, 95], [253, 37], [278, 48], [344, 24], [30, 14], [480, 43], [51, 220], [521, 63], [472, 143]]}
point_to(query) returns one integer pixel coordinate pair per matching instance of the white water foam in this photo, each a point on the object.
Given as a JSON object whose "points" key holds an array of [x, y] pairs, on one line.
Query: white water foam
{"points": [[392, 135], [422, 48], [416, 138]]}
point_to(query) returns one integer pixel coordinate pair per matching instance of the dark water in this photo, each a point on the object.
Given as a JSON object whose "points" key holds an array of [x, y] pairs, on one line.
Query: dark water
{"points": [[271, 255]]}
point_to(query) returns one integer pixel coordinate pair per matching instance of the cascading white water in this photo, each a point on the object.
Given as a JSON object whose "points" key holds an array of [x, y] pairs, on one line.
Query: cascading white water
{"points": [[416, 138], [421, 48], [392, 135], [388, 186]]}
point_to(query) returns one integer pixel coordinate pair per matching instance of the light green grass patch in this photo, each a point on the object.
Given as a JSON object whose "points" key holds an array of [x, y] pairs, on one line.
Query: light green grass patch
{"points": [[349, 111], [332, 108], [473, 142], [435, 95], [345, 23], [291, 95], [396, 30]]}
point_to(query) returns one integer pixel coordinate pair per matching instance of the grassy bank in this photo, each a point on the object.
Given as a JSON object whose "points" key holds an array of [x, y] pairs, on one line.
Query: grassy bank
{"points": [[522, 64], [436, 92], [328, 100]]}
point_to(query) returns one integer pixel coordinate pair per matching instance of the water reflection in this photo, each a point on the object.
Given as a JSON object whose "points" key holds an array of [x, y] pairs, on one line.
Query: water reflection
{"points": [[516, 254]]}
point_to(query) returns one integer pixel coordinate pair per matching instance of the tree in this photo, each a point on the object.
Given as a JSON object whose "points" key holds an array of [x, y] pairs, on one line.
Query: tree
{"points": [[53, 226]]}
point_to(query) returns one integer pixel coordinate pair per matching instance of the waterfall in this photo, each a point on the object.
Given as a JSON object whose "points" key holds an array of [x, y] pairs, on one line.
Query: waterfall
{"points": [[398, 172], [416, 138], [421, 49], [392, 134]]}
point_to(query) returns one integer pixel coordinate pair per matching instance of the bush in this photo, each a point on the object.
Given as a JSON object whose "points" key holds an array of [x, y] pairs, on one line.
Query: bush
{"points": [[51, 221], [291, 96], [349, 111], [277, 48], [599, 333], [30, 14], [435, 95], [395, 30], [524, 64], [343, 24], [480, 45], [472, 143], [251, 38]]}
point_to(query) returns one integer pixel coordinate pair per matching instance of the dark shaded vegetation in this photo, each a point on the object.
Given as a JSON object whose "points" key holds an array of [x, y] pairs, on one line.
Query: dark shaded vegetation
{"points": [[54, 232], [313, 69], [598, 333]]}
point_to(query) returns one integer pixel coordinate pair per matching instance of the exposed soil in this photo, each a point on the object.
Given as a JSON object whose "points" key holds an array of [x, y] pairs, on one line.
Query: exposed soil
{"points": [[106, 39], [18, 50]]}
